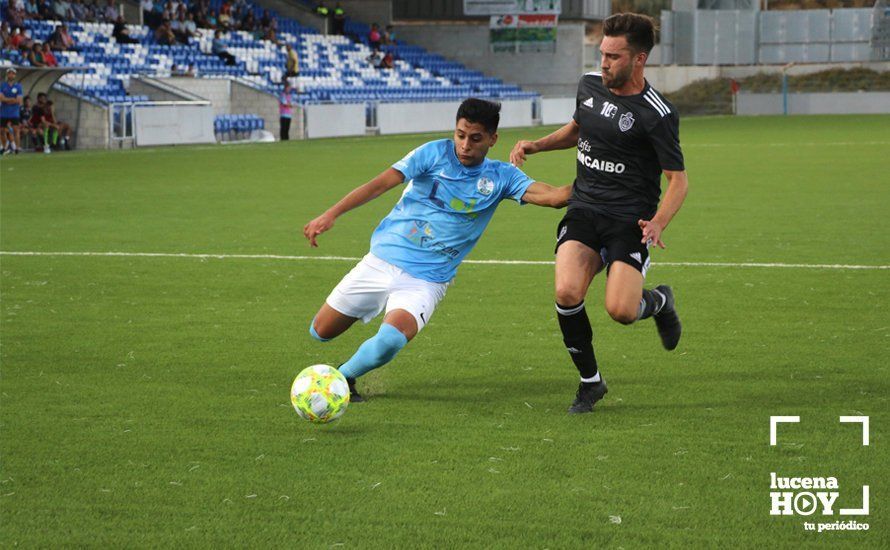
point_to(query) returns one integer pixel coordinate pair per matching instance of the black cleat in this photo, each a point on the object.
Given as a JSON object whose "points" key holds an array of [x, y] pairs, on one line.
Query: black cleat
{"points": [[667, 321], [354, 396], [587, 396]]}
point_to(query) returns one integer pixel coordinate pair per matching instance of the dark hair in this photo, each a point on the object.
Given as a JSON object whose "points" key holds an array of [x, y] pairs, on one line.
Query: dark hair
{"points": [[638, 29], [481, 111]]}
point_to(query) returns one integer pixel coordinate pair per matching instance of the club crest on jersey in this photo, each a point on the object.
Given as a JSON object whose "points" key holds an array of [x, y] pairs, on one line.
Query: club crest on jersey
{"points": [[626, 122], [485, 186]]}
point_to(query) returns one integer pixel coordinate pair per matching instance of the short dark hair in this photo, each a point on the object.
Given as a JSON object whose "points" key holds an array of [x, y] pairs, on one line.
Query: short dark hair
{"points": [[638, 29], [481, 111]]}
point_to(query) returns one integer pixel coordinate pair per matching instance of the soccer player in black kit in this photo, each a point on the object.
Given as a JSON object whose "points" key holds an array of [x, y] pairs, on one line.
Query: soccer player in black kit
{"points": [[627, 135]]}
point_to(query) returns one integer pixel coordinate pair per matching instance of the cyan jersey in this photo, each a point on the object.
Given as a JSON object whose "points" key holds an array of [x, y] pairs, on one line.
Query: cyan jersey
{"points": [[10, 91], [443, 210]]}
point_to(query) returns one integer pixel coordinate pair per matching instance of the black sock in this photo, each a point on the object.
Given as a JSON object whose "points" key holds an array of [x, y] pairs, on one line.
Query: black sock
{"points": [[578, 338], [651, 303]]}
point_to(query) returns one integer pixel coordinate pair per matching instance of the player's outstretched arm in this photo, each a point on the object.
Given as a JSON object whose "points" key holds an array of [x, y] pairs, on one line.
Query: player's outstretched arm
{"points": [[564, 138], [678, 186], [357, 197], [542, 194]]}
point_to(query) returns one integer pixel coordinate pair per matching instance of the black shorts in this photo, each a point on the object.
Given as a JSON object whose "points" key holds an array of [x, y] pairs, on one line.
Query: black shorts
{"points": [[5, 121], [615, 240]]}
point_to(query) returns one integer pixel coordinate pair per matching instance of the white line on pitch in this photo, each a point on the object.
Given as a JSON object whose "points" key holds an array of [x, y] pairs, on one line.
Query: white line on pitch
{"points": [[480, 262]]}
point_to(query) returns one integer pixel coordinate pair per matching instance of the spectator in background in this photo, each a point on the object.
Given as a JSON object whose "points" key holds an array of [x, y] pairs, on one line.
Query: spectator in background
{"points": [[374, 37], [339, 20], [271, 33], [225, 18], [179, 29], [38, 121], [79, 10], [92, 9], [25, 121], [149, 16], [191, 28], [322, 10], [49, 57], [45, 7], [5, 36], [62, 10], [20, 40], [248, 23], [121, 33], [110, 13], [164, 34], [35, 56], [16, 38], [59, 128], [266, 19], [219, 49], [61, 41], [389, 36], [293, 62], [14, 16], [212, 19], [387, 62], [31, 10], [285, 109], [10, 112]]}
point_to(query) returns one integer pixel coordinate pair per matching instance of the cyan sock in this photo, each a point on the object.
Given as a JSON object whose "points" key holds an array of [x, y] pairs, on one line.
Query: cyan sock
{"points": [[375, 351]]}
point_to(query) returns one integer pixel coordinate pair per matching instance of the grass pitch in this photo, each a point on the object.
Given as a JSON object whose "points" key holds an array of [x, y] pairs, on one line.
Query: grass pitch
{"points": [[144, 400]]}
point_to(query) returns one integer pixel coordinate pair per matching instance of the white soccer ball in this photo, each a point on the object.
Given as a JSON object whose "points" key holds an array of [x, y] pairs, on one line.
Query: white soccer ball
{"points": [[320, 394]]}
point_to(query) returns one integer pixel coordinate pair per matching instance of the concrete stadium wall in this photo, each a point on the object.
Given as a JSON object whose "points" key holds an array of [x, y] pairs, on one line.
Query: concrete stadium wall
{"points": [[367, 11], [232, 97], [557, 110], [157, 90], [335, 120], [246, 100], [406, 118], [90, 128], [838, 103], [551, 74], [216, 90]]}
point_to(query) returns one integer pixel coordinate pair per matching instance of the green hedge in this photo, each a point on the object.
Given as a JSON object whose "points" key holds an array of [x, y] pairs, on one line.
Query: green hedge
{"points": [[713, 97]]}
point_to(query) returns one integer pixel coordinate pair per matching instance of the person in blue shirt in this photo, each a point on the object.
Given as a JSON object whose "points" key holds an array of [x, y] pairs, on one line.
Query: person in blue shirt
{"points": [[451, 194], [10, 113]]}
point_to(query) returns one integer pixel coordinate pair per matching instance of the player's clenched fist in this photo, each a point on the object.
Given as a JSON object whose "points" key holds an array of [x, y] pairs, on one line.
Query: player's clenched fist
{"points": [[316, 227]]}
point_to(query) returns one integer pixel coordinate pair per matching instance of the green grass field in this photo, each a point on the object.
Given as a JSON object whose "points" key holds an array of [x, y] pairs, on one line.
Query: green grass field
{"points": [[144, 400]]}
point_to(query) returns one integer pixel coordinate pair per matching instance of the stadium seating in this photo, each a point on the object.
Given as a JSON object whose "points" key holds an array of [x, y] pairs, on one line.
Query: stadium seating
{"points": [[332, 68], [235, 127]]}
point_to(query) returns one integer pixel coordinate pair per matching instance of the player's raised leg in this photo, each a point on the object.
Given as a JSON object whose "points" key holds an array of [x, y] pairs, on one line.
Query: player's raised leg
{"points": [[576, 265], [627, 302]]}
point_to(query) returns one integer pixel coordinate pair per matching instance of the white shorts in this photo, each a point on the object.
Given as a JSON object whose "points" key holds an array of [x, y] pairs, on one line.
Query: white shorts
{"points": [[374, 284]]}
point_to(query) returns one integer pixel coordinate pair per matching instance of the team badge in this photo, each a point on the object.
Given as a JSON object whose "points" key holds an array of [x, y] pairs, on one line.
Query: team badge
{"points": [[485, 186], [626, 122]]}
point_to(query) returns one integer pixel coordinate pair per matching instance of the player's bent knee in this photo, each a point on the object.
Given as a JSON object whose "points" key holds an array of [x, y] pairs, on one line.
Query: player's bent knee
{"points": [[321, 337], [623, 315], [567, 295]]}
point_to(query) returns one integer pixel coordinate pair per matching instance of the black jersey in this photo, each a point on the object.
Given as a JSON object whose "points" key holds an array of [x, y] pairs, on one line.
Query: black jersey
{"points": [[624, 144]]}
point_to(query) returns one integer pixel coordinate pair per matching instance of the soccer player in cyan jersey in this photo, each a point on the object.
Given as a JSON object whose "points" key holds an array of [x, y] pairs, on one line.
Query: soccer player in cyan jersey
{"points": [[627, 135], [452, 193]]}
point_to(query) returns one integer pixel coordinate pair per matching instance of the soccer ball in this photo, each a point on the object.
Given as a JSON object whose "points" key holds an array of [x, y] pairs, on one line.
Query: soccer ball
{"points": [[320, 394]]}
